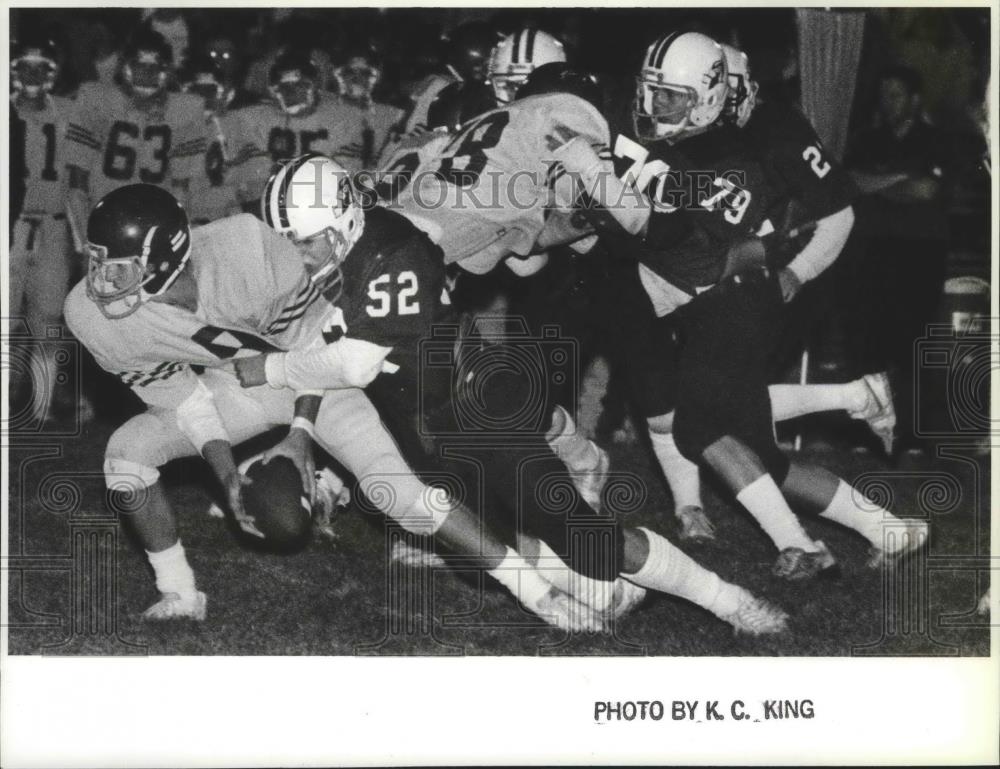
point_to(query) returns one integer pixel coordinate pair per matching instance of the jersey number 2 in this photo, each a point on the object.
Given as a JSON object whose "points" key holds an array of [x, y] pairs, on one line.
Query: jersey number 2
{"points": [[819, 166], [406, 289]]}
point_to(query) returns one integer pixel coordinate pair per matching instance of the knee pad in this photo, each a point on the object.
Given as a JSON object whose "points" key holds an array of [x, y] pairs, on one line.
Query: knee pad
{"points": [[126, 477]]}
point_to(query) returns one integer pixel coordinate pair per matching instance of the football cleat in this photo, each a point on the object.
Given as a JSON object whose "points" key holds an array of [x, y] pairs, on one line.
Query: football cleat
{"points": [[755, 616], [912, 538], [796, 564], [591, 483], [878, 411], [627, 597], [330, 494], [415, 556], [176, 606], [694, 523], [566, 613]]}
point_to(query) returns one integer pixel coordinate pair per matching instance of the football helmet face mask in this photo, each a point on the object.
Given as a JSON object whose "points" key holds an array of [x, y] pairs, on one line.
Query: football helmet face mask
{"points": [[292, 83], [312, 202], [356, 79], [33, 69], [146, 65], [204, 80], [516, 56], [742, 88], [682, 87], [138, 242]]}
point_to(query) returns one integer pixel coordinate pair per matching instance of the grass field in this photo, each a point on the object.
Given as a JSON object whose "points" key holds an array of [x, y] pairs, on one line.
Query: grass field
{"points": [[332, 599]]}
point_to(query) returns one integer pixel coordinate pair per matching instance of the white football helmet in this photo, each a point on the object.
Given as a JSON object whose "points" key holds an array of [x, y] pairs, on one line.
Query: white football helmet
{"points": [[312, 201], [682, 87], [742, 88], [516, 56]]}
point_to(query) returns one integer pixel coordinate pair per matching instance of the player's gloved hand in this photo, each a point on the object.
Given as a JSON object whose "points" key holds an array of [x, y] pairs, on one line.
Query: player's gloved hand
{"points": [[297, 446], [234, 484], [790, 284], [251, 371]]}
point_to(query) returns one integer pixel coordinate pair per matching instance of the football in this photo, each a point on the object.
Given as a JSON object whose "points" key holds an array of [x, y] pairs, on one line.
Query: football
{"points": [[274, 498]]}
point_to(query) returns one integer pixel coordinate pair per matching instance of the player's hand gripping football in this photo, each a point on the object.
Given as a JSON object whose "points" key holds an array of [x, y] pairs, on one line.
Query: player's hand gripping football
{"points": [[297, 446], [234, 484]]}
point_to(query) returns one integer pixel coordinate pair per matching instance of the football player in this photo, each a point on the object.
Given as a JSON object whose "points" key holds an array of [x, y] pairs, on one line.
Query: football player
{"points": [[702, 263], [161, 303], [301, 117], [516, 56], [136, 131], [393, 298], [218, 191], [356, 80], [39, 246], [468, 52]]}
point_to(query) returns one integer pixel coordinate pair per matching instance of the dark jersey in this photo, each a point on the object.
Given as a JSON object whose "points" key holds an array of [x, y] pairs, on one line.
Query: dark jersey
{"points": [[393, 295], [706, 194], [794, 155]]}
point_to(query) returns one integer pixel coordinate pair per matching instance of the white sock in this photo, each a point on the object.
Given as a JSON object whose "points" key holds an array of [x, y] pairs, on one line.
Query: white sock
{"points": [[765, 502], [850, 508], [595, 593], [682, 473], [578, 453], [173, 573], [669, 570], [520, 578], [790, 401]]}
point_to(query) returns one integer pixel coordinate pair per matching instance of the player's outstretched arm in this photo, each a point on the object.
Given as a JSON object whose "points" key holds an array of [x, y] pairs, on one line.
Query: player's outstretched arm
{"points": [[825, 246], [347, 362]]}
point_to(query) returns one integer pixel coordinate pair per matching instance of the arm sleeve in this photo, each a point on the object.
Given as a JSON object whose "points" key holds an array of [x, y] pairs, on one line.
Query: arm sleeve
{"points": [[84, 132], [199, 419], [825, 246], [345, 363]]}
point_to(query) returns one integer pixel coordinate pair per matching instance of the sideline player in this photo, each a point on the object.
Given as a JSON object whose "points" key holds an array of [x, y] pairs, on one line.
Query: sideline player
{"points": [[40, 245], [134, 131], [161, 302]]}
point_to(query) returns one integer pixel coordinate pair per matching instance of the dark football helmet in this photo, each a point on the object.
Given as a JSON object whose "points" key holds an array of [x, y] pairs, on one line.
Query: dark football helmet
{"points": [[146, 62], [293, 82], [202, 77], [468, 50], [34, 66], [138, 242], [458, 103], [559, 77]]}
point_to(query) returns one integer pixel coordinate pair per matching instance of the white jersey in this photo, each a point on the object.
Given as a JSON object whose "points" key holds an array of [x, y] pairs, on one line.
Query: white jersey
{"points": [[254, 296], [488, 192]]}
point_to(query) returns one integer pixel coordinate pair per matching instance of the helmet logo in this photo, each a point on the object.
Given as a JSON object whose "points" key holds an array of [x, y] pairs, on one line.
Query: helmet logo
{"points": [[714, 77]]}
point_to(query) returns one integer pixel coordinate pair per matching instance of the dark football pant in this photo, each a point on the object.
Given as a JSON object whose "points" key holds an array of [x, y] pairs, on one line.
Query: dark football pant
{"points": [[726, 338], [476, 444]]}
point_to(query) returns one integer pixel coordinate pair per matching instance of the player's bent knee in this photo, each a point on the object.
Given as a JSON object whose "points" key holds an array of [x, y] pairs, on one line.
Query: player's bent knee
{"points": [[661, 425], [122, 474]]}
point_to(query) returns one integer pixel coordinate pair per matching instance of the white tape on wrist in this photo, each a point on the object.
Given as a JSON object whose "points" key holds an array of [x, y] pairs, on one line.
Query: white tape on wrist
{"points": [[301, 423]]}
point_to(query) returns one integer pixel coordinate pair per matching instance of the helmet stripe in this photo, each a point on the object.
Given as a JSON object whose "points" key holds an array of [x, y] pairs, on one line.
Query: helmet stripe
{"points": [[530, 53], [268, 202], [286, 184], [658, 55], [516, 51]]}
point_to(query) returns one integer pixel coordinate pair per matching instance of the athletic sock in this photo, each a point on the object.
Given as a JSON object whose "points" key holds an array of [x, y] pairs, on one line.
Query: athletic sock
{"points": [[765, 502], [520, 578], [173, 573], [682, 474], [850, 508], [790, 401], [595, 593], [669, 570]]}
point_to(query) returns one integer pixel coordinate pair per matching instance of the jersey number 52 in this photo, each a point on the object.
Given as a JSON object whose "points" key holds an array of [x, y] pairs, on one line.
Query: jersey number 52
{"points": [[384, 292]]}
